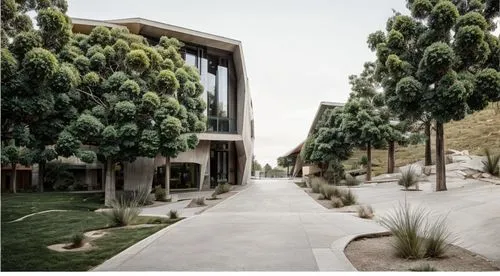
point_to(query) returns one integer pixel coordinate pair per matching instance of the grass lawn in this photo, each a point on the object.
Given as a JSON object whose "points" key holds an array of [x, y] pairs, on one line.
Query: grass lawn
{"points": [[24, 243], [474, 133]]}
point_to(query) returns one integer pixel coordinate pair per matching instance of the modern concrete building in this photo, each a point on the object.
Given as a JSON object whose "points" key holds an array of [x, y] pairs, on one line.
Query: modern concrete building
{"points": [[224, 153], [301, 168]]}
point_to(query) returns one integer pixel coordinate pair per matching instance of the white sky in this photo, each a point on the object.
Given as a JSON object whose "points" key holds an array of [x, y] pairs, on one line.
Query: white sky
{"points": [[297, 53]]}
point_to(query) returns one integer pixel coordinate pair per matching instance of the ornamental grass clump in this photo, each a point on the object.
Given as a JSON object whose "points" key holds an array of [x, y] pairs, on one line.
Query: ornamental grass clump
{"points": [[348, 197], [414, 236], [173, 214], [126, 208], [160, 194], [351, 180], [328, 191], [316, 184], [408, 178], [438, 239], [491, 164], [77, 240]]}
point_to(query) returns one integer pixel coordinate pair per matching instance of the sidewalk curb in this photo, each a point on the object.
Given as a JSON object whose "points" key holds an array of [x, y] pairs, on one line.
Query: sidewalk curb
{"points": [[339, 245], [123, 256]]}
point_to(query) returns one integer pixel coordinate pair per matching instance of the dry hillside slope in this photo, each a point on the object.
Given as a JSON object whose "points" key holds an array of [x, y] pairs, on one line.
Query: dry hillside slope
{"points": [[474, 133]]}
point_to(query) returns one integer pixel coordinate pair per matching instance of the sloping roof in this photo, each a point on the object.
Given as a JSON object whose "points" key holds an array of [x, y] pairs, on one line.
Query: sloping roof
{"points": [[321, 109]]}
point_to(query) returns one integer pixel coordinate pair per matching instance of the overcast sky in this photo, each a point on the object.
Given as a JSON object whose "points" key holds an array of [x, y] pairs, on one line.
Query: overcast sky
{"points": [[297, 53]]}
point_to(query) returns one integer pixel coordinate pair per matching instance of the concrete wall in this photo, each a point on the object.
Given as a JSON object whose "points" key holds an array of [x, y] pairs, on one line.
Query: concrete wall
{"points": [[200, 155]]}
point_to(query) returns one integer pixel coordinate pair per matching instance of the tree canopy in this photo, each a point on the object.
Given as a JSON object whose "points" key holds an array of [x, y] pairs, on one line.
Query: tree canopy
{"points": [[36, 84], [442, 61], [136, 100]]}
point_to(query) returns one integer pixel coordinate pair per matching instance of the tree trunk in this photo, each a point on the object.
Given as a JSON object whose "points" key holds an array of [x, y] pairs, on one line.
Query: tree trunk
{"points": [[109, 185], [390, 157], [138, 174], [13, 179], [369, 165], [41, 176], [167, 176], [428, 151], [440, 158], [287, 171]]}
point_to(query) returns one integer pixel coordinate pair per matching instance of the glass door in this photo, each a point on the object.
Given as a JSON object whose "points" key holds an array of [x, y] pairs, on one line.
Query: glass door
{"points": [[219, 164]]}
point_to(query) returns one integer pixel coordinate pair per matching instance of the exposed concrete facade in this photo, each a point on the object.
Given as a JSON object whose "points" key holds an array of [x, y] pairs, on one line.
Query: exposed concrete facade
{"points": [[241, 140]]}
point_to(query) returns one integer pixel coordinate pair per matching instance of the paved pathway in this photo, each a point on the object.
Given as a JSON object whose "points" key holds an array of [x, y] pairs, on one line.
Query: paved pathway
{"points": [[271, 226], [472, 208]]}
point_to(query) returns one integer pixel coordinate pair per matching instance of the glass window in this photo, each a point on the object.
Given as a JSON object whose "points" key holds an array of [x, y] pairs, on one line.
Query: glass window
{"points": [[222, 89], [184, 176], [211, 86], [191, 58]]}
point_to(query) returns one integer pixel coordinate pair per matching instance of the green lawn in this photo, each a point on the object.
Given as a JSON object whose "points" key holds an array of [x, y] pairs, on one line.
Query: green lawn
{"points": [[24, 244]]}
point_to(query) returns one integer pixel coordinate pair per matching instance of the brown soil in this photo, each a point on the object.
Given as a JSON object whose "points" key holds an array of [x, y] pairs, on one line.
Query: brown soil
{"points": [[66, 247], [328, 205], [377, 254]]}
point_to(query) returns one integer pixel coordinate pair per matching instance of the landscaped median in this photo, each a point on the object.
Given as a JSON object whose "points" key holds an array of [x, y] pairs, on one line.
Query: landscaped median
{"points": [[25, 242]]}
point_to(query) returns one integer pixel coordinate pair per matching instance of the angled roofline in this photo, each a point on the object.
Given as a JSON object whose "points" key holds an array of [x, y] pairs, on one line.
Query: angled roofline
{"points": [[321, 109], [193, 36]]}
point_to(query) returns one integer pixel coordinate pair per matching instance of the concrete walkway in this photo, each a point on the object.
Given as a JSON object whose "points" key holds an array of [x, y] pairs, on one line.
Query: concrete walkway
{"points": [[273, 225], [472, 208]]}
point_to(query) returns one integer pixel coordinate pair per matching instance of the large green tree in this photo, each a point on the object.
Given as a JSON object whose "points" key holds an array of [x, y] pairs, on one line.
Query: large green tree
{"points": [[328, 145], [364, 126], [36, 84], [441, 60], [136, 100]]}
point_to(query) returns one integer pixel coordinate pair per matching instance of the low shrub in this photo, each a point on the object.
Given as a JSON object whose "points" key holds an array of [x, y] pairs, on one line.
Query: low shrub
{"points": [[222, 188], [351, 180], [405, 224], [408, 177], [200, 201], [423, 267], [316, 184], [77, 240], [348, 197], [364, 161], [491, 164], [327, 191], [365, 212], [160, 193], [173, 214], [337, 202]]}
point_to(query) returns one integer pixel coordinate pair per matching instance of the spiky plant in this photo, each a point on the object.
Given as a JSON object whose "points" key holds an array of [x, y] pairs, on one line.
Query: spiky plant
{"points": [[77, 240], [491, 164], [126, 209], [173, 214], [408, 178], [437, 238], [348, 197], [365, 211], [406, 225], [316, 184], [327, 191]]}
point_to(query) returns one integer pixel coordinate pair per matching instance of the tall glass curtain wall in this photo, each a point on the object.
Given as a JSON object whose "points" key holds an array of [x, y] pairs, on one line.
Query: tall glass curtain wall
{"points": [[214, 75]]}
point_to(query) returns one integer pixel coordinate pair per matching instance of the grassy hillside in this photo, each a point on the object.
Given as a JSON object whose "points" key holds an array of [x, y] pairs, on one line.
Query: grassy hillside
{"points": [[474, 133]]}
